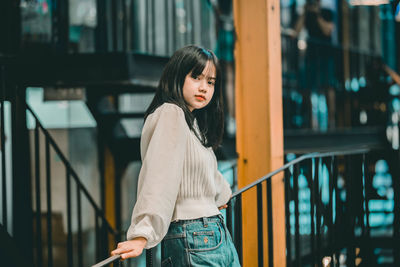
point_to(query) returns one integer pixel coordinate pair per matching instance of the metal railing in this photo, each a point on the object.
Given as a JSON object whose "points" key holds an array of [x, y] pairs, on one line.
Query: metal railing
{"points": [[333, 224], [104, 232]]}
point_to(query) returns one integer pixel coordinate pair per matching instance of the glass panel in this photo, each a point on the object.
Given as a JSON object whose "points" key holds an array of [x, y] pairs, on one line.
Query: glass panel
{"points": [[36, 21]]}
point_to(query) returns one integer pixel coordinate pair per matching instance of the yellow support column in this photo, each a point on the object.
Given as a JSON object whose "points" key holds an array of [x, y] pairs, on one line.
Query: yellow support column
{"points": [[109, 191], [259, 119]]}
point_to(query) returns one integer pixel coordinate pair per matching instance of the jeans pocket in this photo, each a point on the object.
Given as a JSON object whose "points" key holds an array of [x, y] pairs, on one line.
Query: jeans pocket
{"points": [[167, 262], [205, 239]]}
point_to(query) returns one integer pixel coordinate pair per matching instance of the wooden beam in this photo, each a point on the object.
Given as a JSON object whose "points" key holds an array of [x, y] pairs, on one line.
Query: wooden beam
{"points": [[259, 117]]}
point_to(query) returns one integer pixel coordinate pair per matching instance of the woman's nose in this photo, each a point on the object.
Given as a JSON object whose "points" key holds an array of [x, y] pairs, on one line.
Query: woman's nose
{"points": [[203, 86], [202, 89]]}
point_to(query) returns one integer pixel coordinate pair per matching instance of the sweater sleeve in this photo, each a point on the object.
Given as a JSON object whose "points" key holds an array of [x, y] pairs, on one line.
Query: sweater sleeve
{"points": [[224, 191], [163, 145]]}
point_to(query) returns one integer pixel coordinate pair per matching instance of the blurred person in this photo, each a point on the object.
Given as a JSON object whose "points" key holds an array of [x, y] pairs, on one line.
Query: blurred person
{"points": [[319, 65]]}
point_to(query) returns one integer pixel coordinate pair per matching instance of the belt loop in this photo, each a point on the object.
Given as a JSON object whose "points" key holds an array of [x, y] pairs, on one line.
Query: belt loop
{"points": [[221, 217], [205, 222]]}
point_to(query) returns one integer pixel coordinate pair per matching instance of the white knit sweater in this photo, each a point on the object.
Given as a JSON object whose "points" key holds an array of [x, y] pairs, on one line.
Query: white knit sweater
{"points": [[179, 178]]}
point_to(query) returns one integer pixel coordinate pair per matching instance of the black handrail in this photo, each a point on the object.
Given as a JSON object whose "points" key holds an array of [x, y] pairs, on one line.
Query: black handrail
{"points": [[298, 160], [108, 261]]}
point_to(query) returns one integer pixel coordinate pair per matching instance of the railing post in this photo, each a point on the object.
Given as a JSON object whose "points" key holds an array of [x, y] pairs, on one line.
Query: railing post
{"points": [[48, 199], [39, 252], [396, 210], [238, 227], [79, 210], [367, 181], [395, 173], [149, 257], [260, 236], [106, 239], [229, 217], [98, 243], [270, 225], [312, 208], [350, 260], [330, 209], [296, 215], [69, 219], [338, 214], [317, 211], [21, 175], [288, 176]]}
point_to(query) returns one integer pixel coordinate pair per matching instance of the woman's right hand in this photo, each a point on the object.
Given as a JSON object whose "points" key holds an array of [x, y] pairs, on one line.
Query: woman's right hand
{"points": [[130, 249]]}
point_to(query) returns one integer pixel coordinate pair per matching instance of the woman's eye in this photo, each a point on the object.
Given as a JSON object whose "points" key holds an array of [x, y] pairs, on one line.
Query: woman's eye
{"points": [[211, 82]]}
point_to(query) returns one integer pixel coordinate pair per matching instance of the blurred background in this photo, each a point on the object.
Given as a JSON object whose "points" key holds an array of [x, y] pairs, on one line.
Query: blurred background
{"points": [[77, 76]]}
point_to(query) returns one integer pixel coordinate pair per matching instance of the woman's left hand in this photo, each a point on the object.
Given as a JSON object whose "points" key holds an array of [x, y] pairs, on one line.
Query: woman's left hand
{"points": [[223, 207], [131, 248]]}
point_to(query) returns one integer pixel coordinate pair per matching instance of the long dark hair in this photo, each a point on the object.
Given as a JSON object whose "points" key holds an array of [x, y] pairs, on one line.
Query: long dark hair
{"points": [[192, 59]]}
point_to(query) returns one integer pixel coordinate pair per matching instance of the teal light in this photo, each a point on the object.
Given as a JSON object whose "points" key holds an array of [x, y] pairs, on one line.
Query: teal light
{"points": [[394, 89], [362, 81], [354, 85]]}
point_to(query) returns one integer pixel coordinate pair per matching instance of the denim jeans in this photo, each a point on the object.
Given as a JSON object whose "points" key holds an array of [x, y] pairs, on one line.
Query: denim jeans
{"points": [[200, 242]]}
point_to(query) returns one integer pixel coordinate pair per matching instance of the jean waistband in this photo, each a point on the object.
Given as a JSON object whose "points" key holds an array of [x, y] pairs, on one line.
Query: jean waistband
{"points": [[204, 220]]}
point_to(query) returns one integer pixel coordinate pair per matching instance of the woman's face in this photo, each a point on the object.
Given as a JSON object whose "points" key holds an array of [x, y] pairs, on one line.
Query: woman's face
{"points": [[198, 91]]}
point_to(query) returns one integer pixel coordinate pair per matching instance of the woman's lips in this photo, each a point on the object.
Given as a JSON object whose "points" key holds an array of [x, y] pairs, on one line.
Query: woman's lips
{"points": [[201, 98]]}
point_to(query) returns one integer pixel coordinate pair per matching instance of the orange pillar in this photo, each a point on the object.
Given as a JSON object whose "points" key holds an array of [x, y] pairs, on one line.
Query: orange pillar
{"points": [[259, 119], [109, 192]]}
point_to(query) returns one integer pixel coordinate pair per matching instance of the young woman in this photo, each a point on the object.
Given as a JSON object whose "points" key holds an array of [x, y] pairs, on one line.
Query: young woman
{"points": [[180, 190]]}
